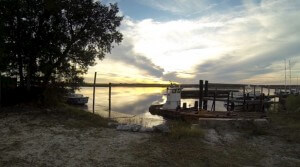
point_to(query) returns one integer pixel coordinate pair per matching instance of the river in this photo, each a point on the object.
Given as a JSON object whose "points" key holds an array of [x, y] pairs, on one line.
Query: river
{"points": [[131, 104]]}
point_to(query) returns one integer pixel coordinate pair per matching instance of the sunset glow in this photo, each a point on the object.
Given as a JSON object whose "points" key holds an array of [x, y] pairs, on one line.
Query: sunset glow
{"points": [[221, 41]]}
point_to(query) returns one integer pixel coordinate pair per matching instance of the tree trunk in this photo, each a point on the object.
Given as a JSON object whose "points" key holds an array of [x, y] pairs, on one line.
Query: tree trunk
{"points": [[20, 64]]}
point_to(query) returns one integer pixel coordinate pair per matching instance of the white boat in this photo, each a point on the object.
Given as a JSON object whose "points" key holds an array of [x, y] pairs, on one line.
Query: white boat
{"points": [[77, 99]]}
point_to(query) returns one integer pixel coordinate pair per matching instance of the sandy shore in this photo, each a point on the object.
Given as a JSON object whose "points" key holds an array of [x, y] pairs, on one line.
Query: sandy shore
{"points": [[27, 140], [34, 139]]}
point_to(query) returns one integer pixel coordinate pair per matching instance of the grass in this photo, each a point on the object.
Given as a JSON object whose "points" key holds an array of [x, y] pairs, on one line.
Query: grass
{"points": [[286, 125], [284, 119], [59, 114], [77, 118], [180, 129], [165, 151]]}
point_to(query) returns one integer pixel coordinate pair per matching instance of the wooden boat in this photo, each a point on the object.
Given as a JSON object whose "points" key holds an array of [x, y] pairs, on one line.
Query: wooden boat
{"points": [[172, 109], [195, 114], [77, 99]]}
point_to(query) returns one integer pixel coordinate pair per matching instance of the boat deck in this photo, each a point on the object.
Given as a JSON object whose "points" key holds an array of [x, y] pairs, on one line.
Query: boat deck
{"points": [[195, 114]]}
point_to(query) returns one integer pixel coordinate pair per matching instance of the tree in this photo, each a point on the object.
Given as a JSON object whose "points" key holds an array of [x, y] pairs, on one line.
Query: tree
{"points": [[45, 41]]}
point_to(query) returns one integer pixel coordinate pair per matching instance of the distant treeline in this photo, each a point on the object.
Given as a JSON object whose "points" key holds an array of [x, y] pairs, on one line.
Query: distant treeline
{"points": [[124, 85], [210, 85]]}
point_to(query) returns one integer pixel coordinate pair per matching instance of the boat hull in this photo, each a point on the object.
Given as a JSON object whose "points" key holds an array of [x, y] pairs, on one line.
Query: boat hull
{"points": [[194, 114], [77, 100]]}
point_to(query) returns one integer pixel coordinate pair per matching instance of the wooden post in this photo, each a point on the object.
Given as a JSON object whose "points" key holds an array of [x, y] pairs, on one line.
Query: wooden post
{"points": [[214, 102], [196, 105], [205, 95], [94, 92], [109, 100], [0, 91], [244, 97], [261, 89], [184, 105], [262, 102], [228, 100], [200, 93], [247, 103], [254, 95], [268, 90], [232, 102], [279, 90]]}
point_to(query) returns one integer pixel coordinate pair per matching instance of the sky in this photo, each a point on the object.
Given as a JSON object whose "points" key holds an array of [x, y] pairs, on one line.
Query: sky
{"points": [[222, 41]]}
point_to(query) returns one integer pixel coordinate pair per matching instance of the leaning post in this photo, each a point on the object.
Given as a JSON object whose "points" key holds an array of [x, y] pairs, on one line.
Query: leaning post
{"points": [[109, 100], [94, 92]]}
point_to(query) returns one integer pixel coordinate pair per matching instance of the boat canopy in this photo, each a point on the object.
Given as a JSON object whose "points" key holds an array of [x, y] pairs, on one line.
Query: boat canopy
{"points": [[173, 98]]}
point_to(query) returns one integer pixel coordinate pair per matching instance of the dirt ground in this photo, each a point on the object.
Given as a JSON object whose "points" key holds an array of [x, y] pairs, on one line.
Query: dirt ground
{"points": [[34, 140]]}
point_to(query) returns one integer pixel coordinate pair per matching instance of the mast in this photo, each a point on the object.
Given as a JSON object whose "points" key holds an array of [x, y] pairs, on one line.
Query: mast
{"points": [[290, 76], [297, 89]]}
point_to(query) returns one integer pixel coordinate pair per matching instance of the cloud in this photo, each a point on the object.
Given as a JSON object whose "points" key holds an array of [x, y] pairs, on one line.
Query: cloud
{"points": [[125, 54], [178, 6], [232, 46], [259, 38]]}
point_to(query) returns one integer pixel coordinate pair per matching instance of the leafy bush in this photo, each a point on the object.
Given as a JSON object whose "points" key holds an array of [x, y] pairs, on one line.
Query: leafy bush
{"points": [[293, 103], [53, 96]]}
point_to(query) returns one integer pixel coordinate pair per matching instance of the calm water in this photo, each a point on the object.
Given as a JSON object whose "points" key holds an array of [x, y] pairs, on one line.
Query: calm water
{"points": [[130, 105]]}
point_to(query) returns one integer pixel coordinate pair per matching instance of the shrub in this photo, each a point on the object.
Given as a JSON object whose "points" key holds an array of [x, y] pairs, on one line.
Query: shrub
{"points": [[292, 103]]}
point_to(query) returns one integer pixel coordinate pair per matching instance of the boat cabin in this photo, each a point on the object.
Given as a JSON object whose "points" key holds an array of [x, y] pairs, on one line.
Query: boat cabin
{"points": [[173, 98]]}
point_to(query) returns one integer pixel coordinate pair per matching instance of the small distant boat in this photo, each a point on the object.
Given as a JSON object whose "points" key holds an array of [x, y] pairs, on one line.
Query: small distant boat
{"points": [[77, 99]]}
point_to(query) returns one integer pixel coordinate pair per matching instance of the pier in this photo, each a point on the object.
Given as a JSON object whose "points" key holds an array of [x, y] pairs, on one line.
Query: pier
{"points": [[205, 91]]}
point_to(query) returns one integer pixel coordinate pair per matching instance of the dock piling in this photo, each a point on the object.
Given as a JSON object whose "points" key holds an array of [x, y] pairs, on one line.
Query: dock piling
{"points": [[109, 101], [196, 105], [0, 91], [254, 94], [200, 93], [228, 94], [244, 97], [262, 102], [94, 92], [205, 95], [184, 105], [214, 102]]}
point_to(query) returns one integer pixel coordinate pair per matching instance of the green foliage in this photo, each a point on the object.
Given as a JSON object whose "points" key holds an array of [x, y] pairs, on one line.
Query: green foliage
{"points": [[180, 129], [293, 103], [45, 41], [287, 125], [78, 118], [53, 97]]}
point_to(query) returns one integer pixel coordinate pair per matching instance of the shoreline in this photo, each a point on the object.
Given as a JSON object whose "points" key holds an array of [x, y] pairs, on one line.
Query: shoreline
{"points": [[48, 137]]}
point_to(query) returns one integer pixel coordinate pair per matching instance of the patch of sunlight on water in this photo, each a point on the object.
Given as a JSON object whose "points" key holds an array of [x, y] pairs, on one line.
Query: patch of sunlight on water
{"points": [[129, 105]]}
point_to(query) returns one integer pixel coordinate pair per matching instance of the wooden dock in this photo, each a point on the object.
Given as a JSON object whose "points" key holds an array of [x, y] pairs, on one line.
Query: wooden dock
{"points": [[214, 92]]}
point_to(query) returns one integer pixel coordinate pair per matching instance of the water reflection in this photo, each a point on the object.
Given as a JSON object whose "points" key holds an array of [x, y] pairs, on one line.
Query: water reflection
{"points": [[131, 105]]}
